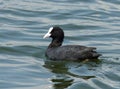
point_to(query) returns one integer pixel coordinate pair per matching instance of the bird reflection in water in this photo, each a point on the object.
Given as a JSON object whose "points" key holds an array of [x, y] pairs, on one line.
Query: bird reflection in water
{"points": [[63, 77]]}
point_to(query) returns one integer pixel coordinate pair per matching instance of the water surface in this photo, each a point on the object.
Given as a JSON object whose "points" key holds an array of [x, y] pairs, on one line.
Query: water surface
{"points": [[85, 22]]}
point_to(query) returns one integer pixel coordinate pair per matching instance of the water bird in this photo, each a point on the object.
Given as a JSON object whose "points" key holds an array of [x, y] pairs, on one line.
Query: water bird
{"points": [[56, 51]]}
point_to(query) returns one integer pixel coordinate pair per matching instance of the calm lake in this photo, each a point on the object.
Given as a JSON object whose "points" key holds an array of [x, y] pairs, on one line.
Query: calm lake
{"points": [[23, 24]]}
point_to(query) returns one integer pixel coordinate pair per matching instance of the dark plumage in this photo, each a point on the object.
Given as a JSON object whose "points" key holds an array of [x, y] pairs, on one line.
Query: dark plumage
{"points": [[69, 52]]}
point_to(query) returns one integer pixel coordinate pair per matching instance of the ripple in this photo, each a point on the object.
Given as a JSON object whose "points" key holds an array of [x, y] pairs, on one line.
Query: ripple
{"points": [[86, 22]]}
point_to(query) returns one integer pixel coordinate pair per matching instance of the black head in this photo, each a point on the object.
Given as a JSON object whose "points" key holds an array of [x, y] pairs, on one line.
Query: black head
{"points": [[57, 34]]}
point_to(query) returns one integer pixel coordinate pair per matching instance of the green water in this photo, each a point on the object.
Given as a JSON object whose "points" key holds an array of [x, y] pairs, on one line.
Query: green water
{"points": [[23, 24]]}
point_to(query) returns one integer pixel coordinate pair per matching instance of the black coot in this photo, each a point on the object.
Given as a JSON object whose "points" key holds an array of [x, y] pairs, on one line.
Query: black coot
{"points": [[69, 52]]}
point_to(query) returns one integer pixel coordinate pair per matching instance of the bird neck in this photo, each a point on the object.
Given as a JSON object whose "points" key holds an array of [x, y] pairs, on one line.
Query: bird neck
{"points": [[55, 43]]}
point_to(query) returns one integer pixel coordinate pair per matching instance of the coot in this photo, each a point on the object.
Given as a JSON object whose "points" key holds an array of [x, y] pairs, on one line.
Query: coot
{"points": [[56, 51]]}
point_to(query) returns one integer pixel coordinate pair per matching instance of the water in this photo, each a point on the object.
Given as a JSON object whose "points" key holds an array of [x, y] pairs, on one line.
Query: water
{"points": [[85, 22]]}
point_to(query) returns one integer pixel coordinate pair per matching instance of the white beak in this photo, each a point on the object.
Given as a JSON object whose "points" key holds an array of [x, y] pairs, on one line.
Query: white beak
{"points": [[49, 33]]}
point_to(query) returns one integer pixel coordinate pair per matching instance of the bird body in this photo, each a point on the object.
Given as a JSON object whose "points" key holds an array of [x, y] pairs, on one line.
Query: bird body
{"points": [[56, 51]]}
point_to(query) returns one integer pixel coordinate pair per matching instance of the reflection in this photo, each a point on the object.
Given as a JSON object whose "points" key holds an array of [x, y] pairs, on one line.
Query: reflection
{"points": [[83, 77], [56, 66], [67, 71], [62, 82], [61, 79]]}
